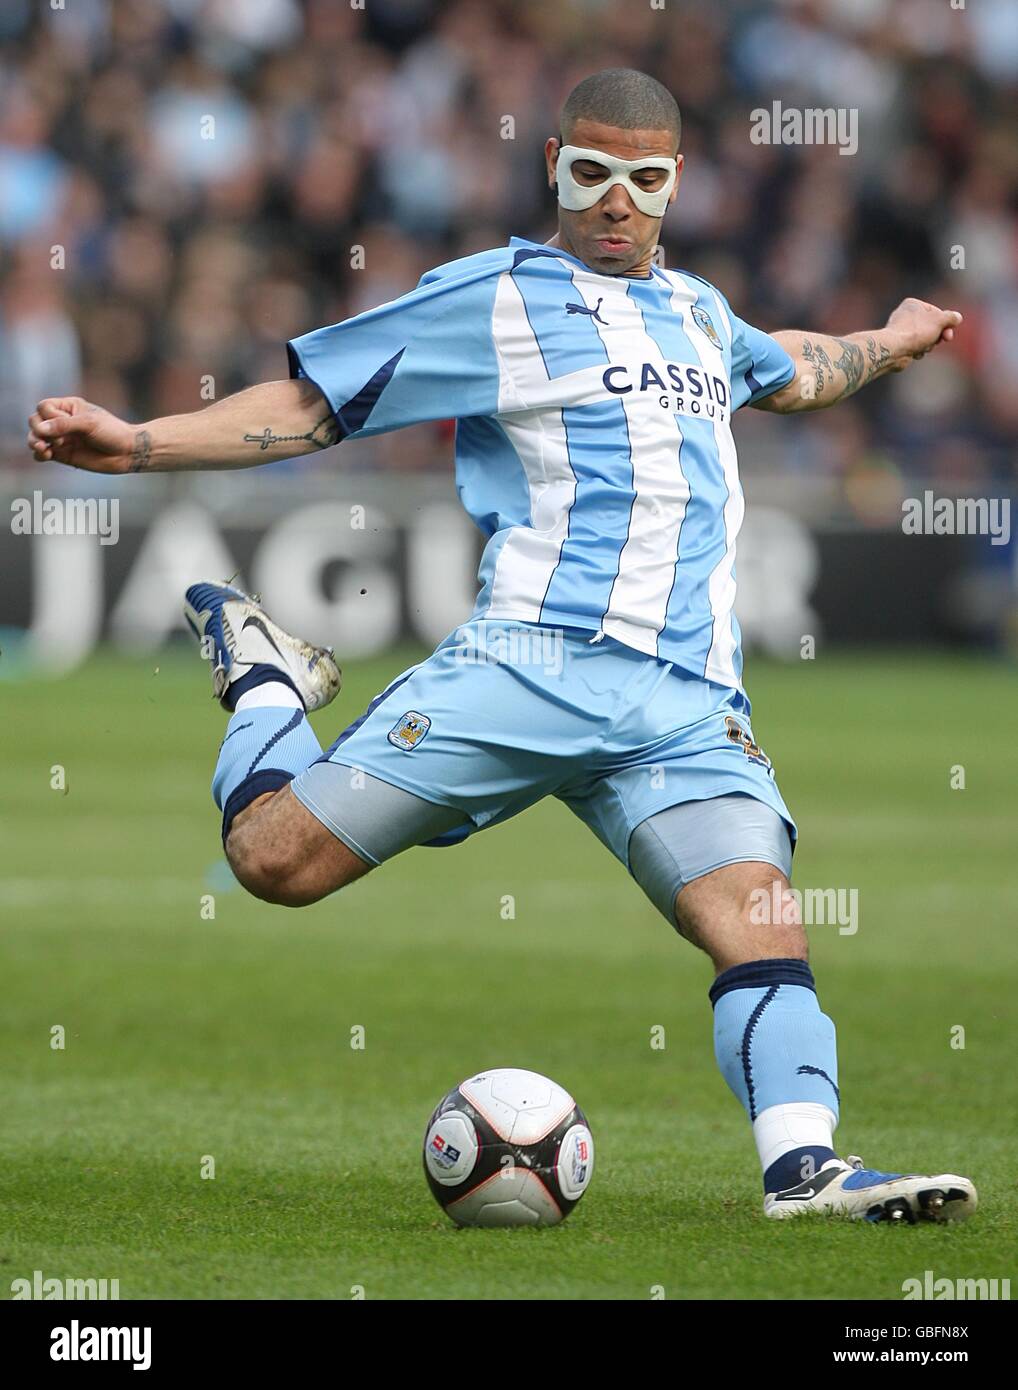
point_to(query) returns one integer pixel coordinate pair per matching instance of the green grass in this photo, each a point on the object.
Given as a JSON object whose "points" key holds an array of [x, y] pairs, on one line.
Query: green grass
{"points": [[231, 1037]]}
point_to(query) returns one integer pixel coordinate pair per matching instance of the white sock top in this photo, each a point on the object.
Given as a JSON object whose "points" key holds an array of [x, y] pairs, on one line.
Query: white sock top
{"points": [[273, 693]]}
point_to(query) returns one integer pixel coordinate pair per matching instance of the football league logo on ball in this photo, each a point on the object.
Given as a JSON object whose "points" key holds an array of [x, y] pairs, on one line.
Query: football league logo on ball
{"points": [[443, 1153]]}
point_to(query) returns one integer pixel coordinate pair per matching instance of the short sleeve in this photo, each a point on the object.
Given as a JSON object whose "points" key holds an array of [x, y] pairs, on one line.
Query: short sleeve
{"points": [[760, 365], [428, 355]]}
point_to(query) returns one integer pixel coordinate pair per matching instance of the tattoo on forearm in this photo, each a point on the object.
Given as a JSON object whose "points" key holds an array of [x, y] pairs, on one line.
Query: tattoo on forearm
{"points": [[877, 354], [321, 436], [823, 379], [852, 363], [141, 451], [816, 355]]}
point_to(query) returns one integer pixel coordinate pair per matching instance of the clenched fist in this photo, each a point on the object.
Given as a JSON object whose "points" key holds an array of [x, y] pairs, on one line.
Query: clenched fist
{"points": [[917, 327], [70, 430]]}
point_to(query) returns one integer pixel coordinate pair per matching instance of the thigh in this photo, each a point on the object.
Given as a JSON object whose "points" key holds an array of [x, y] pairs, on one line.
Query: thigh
{"points": [[706, 865], [690, 744], [684, 859], [494, 720], [718, 871], [373, 818], [330, 826]]}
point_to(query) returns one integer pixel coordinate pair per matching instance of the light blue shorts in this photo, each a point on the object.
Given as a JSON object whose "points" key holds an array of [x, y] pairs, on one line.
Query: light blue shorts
{"points": [[504, 714]]}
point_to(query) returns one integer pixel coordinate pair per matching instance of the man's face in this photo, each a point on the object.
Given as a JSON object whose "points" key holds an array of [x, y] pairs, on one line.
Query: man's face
{"points": [[613, 237]]}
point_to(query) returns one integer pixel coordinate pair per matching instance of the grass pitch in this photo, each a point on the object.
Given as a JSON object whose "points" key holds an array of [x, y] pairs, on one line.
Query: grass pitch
{"points": [[231, 1038]]}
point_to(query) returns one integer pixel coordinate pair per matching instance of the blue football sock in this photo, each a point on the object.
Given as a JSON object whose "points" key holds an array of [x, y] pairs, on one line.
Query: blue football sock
{"points": [[776, 1049], [263, 750]]}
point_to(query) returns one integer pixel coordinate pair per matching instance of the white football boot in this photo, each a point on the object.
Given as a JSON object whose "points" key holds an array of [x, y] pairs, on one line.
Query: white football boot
{"points": [[237, 634], [862, 1194]]}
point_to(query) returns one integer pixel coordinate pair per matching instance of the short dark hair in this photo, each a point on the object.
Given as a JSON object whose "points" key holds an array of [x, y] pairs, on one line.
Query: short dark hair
{"points": [[625, 98]]}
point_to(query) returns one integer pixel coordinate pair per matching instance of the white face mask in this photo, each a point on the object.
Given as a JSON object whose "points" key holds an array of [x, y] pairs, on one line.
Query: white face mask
{"points": [[577, 197]]}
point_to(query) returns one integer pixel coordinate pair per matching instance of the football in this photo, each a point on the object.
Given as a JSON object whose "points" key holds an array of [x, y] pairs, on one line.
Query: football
{"points": [[508, 1148]]}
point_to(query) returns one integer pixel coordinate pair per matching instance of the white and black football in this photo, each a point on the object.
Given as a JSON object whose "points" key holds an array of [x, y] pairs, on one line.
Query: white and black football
{"points": [[508, 1148]]}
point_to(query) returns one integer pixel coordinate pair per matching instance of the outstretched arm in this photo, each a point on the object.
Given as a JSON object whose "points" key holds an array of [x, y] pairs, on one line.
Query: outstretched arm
{"points": [[828, 370], [277, 420]]}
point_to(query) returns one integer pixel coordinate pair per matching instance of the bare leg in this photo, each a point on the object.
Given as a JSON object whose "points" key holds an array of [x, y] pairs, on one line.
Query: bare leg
{"points": [[719, 913], [281, 853]]}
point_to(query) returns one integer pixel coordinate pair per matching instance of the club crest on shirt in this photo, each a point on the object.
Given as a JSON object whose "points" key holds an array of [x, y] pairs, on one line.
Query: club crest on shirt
{"points": [[408, 730], [703, 321]]}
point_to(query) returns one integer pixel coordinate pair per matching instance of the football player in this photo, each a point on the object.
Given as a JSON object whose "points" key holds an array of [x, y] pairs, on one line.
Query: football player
{"points": [[594, 395]]}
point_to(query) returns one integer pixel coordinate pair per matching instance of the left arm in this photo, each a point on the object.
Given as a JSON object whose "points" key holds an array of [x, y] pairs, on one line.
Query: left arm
{"points": [[828, 370]]}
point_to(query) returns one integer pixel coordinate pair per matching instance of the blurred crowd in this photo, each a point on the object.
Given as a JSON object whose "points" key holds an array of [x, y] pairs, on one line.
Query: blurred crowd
{"points": [[185, 184]]}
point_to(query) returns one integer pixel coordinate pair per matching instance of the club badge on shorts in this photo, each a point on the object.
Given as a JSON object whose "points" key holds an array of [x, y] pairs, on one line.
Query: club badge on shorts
{"points": [[703, 319], [408, 730]]}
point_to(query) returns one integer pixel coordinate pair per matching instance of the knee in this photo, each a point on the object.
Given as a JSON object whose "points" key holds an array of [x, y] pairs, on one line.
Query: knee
{"points": [[265, 868], [774, 909], [742, 912], [786, 943]]}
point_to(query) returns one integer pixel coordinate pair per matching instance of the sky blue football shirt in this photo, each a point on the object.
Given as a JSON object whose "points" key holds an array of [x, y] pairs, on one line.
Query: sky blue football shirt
{"points": [[594, 447]]}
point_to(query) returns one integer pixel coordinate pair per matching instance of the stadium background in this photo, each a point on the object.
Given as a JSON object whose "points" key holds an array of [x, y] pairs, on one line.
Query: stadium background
{"points": [[353, 149]]}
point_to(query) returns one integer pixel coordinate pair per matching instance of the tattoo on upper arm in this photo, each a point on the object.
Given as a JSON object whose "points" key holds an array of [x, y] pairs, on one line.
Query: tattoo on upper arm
{"points": [[324, 433], [141, 451]]}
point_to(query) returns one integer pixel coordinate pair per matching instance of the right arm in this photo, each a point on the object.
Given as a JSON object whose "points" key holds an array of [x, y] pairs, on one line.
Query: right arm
{"points": [[277, 420], [428, 355]]}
